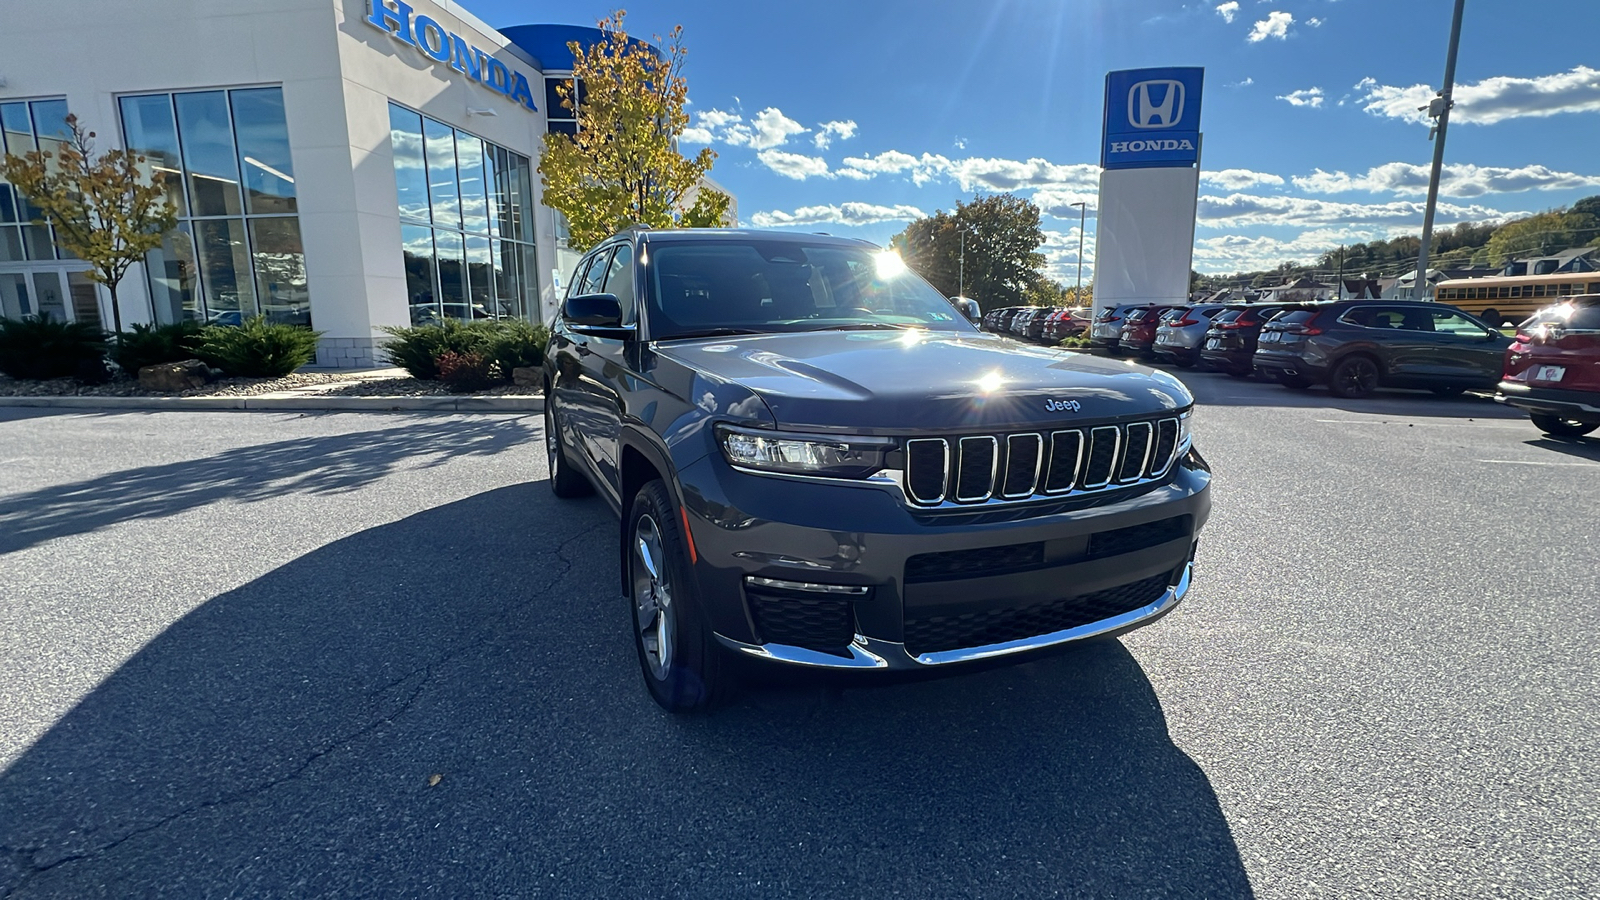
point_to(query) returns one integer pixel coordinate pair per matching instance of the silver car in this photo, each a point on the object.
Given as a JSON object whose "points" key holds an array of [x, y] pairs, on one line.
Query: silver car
{"points": [[1106, 332], [1182, 330]]}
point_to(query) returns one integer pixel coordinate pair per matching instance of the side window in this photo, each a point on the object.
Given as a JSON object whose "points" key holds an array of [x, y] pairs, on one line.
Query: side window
{"points": [[596, 274], [1446, 322], [619, 280], [575, 286]]}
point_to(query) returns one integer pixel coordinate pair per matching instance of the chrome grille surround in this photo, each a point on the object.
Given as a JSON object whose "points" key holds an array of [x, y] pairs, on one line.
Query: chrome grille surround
{"points": [[1097, 456]]}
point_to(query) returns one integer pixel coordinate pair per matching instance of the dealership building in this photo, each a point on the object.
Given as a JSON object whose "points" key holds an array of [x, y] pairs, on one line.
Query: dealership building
{"points": [[348, 164]]}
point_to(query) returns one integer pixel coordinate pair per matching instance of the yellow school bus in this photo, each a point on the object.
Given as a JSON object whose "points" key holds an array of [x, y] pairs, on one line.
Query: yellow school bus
{"points": [[1508, 299]]}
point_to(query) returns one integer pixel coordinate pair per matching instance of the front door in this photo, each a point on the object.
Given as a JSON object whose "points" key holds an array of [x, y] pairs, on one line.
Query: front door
{"points": [[49, 291]]}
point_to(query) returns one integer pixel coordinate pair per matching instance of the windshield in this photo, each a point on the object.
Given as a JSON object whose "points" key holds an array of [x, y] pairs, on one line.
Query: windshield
{"points": [[699, 288]]}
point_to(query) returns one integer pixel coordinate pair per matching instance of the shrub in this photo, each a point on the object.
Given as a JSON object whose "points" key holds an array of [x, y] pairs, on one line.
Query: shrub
{"points": [[148, 345], [35, 347], [516, 344], [417, 349], [257, 349], [467, 372], [1075, 343]]}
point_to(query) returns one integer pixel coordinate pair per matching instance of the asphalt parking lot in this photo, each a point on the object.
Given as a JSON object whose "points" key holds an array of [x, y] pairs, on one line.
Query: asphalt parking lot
{"points": [[270, 654]]}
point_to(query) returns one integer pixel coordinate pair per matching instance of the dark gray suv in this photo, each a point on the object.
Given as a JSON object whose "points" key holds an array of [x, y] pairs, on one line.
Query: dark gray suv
{"points": [[818, 461]]}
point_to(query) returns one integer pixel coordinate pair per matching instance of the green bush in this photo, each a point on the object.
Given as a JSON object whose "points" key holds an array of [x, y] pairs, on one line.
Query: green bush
{"points": [[517, 344], [35, 347], [508, 342], [1075, 343], [257, 349], [467, 372], [148, 345]]}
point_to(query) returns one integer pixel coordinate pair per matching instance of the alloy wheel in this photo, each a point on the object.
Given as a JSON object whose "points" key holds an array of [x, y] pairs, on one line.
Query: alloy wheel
{"points": [[654, 614], [1356, 378]]}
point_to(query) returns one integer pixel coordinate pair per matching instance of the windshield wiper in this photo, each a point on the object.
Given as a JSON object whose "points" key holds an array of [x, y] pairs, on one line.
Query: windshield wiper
{"points": [[712, 332], [852, 326]]}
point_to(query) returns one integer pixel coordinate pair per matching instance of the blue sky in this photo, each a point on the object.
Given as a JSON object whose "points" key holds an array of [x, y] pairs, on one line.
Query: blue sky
{"points": [[1311, 132]]}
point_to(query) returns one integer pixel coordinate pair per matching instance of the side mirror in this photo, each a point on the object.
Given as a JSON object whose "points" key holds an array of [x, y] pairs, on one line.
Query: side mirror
{"points": [[592, 311]]}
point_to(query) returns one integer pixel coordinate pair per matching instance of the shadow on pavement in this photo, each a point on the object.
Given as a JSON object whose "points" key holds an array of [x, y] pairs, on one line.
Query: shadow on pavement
{"points": [[1587, 448], [316, 465], [283, 739]]}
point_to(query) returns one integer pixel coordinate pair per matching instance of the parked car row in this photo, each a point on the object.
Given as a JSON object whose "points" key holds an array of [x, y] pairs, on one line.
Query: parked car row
{"points": [[1045, 324], [1354, 347]]}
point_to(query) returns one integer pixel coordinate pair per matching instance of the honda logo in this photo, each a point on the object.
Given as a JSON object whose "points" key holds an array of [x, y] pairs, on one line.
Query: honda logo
{"points": [[1155, 104]]}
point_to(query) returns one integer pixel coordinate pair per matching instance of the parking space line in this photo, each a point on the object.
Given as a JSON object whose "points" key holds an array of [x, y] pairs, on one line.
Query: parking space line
{"points": [[1456, 424], [1532, 462]]}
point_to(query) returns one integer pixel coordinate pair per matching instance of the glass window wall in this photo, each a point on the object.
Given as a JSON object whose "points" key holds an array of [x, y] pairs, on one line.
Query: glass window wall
{"points": [[466, 225], [224, 157], [27, 125]]}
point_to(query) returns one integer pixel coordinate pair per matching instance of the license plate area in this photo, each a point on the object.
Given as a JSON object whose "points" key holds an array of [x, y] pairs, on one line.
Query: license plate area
{"points": [[1548, 373]]}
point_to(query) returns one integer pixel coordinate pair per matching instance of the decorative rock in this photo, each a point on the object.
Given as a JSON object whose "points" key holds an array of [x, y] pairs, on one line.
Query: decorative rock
{"points": [[527, 376], [178, 376]]}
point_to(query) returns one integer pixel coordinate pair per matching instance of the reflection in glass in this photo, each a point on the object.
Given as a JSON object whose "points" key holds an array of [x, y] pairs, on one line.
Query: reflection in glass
{"points": [[410, 176], [491, 180], [173, 278], [469, 163], [36, 242], [452, 286], [207, 142], [280, 270], [149, 129], [18, 130], [480, 289], [441, 143], [8, 203], [263, 139], [505, 282], [422, 291], [50, 126], [10, 244], [225, 270]]}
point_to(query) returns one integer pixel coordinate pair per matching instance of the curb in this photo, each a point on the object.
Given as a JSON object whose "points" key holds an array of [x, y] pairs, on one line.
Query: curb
{"points": [[287, 402]]}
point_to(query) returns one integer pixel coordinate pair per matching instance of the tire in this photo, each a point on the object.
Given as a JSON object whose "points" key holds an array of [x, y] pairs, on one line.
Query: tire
{"points": [[1555, 426], [683, 667], [1354, 377], [1242, 373], [1447, 391], [565, 479]]}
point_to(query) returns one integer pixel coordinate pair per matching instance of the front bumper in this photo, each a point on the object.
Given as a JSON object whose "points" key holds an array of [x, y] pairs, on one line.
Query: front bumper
{"points": [[1582, 406], [926, 589]]}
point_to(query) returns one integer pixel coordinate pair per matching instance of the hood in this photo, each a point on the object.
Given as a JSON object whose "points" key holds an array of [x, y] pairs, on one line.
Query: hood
{"points": [[896, 381]]}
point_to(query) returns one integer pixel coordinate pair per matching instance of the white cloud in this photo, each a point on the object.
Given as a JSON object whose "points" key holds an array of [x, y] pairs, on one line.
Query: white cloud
{"points": [[1239, 179], [974, 173], [1492, 99], [1228, 10], [1242, 210], [1314, 22], [696, 135], [1239, 84], [1060, 251], [1457, 180], [827, 131], [849, 213], [1275, 25], [1230, 253], [771, 128], [1311, 97], [794, 165], [1059, 203]]}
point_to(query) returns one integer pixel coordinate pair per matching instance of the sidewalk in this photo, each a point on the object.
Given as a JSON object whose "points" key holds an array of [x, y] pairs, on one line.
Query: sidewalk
{"points": [[308, 398]]}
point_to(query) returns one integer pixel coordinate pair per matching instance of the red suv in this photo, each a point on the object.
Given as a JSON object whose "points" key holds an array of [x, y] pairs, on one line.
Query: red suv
{"points": [[1553, 368]]}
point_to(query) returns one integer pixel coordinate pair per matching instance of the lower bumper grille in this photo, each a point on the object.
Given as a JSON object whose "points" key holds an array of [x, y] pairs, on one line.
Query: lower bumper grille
{"points": [[815, 623], [937, 633]]}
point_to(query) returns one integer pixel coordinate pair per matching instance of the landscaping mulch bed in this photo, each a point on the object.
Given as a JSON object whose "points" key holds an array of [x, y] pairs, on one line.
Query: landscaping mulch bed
{"points": [[411, 387], [324, 384]]}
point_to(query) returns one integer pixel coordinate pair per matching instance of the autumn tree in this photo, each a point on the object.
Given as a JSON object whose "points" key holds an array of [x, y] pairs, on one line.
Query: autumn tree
{"points": [[105, 210], [623, 166], [1002, 237]]}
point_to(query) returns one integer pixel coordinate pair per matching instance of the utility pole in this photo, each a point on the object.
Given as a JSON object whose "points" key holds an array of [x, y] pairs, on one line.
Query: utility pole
{"points": [[1338, 293], [1438, 109], [961, 271], [1083, 210]]}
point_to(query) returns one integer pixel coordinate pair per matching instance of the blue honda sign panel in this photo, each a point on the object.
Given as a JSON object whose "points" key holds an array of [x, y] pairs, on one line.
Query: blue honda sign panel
{"points": [[1152, 118]]}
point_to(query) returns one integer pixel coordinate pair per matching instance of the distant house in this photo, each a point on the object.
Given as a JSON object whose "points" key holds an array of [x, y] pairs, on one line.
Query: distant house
{"points": [[1575, 259], [1301, 290]]}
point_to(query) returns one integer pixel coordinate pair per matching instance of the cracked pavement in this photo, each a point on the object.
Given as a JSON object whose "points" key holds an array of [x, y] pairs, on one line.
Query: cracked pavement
{"points": [[239, 647]]}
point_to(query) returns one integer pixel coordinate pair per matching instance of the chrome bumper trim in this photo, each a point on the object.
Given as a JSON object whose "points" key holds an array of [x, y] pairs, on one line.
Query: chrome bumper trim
{"points": [[872, 653]]}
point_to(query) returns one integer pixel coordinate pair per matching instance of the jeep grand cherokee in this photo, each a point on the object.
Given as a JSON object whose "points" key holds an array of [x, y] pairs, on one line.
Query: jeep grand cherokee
{"points": [[819, 462]]}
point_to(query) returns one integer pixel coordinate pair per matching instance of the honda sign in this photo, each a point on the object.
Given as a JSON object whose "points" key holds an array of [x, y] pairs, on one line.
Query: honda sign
{"points": [[1152, 118]]}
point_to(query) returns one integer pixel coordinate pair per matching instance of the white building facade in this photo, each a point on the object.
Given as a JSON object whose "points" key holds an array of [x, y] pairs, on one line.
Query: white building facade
{"points": [[347, 164]]}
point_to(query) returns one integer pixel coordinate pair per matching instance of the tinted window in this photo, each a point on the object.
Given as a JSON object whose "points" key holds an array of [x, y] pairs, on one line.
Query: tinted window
{"points": [[773, 286], [1446, 322], [619, 280], [1228, 315], [596, 274], [1297, 317]]}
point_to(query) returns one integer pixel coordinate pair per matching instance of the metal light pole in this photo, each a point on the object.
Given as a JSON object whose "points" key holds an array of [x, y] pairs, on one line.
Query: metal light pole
{"points": [[1438, 109], [961, 271], [1083, 210]]}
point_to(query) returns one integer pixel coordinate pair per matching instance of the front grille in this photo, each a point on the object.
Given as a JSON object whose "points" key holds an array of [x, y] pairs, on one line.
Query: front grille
{"points": [[816, 623], [932, 634], [979, 468], [1137, 537]]}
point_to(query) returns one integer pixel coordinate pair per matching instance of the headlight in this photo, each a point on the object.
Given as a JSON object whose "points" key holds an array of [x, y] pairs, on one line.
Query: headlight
{"points": [[1185, 431], [803, 454]]}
